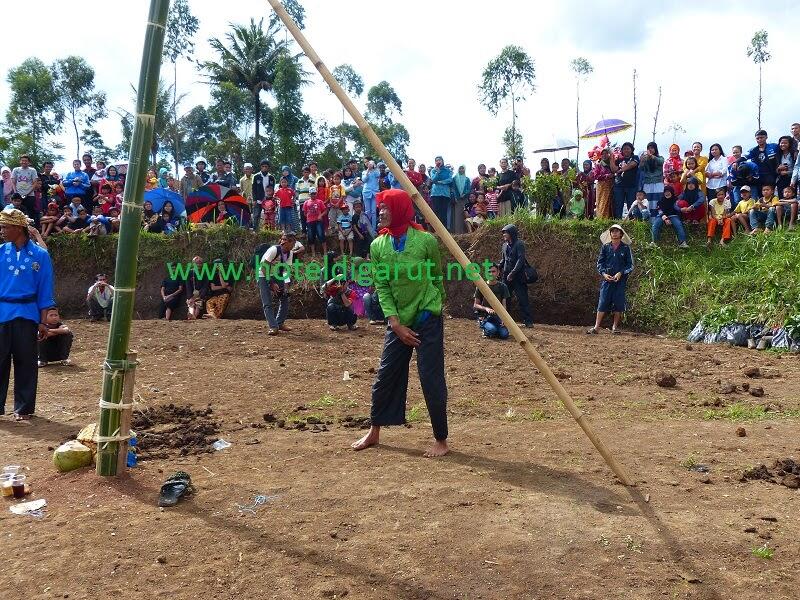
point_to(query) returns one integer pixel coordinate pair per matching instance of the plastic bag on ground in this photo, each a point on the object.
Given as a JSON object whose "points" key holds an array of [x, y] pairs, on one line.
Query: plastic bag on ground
{"points": [[781, 339], [72, 455], [713, 337], [697, 333], [736, 334]]}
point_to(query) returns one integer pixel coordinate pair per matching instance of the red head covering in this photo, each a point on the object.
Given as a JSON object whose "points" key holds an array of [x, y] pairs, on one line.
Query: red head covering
{"points": [[402, 208]]}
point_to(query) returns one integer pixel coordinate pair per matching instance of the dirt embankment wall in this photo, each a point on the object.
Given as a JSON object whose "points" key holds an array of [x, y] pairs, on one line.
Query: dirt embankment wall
{"points": [[565, 294]]}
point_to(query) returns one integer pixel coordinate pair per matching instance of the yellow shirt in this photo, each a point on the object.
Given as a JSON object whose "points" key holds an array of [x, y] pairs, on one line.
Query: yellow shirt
{"points": [[246, 185], [745, 206], [774, 201], [718, 209]]}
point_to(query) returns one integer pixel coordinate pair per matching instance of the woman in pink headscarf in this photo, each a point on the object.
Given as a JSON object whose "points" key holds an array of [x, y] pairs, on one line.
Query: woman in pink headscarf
{"points": [[673, 164]]}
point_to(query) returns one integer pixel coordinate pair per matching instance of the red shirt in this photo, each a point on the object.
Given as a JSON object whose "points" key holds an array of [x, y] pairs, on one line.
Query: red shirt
{"points": [[285, 197], [313, 210]]}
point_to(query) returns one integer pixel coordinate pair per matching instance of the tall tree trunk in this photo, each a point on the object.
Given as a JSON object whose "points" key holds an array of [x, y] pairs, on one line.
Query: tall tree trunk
{"points": [[78, 137], [577, 118], [175, 115], [658, 109], [258, 113], [634, 108], [759, 96], [513, 126], [115, 364]]}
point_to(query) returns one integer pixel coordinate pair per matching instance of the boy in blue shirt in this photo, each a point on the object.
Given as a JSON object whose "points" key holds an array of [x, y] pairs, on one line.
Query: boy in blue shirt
{"points": [[344, 223]]}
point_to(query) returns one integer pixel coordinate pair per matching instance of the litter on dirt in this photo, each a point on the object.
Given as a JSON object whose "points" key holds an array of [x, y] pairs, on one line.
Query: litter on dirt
{"points": [[221, 444], [34, 508]]}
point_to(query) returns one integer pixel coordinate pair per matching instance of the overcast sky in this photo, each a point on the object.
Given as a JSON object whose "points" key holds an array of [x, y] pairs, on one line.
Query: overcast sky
{"points": [[433, 54]]}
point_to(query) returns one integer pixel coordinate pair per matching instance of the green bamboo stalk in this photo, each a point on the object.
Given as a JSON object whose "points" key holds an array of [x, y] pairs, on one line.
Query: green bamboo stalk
{"points": [[130, 228]]}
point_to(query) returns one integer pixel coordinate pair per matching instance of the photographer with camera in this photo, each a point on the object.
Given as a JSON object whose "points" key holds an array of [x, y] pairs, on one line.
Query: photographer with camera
{"points": [[100, 298]]}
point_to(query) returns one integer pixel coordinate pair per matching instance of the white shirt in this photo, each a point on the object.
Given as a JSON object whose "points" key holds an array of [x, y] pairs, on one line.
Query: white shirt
{"points": [[273, 255], [716, 165]]}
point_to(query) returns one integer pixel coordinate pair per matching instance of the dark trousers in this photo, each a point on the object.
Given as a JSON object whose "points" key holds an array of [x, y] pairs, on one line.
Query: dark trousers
{"points": [[372, 306], [441, 206], [18, 344], [55, 348], [256, 218], [520, 289], [623, 196], [98, 312], [29, 208], [339, 315], [391, 385]]}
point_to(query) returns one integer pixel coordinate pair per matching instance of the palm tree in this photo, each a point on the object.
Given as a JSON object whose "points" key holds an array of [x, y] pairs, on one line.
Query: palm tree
{"points": [[249, 61]]}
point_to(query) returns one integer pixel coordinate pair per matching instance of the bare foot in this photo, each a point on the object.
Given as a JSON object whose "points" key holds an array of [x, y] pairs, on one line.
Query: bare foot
{"points": [[438, 449], [368, 440]]}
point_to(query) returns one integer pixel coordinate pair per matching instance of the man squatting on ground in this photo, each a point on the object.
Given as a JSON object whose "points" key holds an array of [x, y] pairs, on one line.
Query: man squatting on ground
{"points": [[413, 306]]}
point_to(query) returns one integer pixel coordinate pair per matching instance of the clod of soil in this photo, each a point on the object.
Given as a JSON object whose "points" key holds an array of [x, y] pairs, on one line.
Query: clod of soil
{"points": [[791, 481], [356, 422], [666, 380], [269, 418], [757, 473], [741, 432], [727, 388], [785, 469], [757, 391], [752, 372], [745, 386], [170, 430]]}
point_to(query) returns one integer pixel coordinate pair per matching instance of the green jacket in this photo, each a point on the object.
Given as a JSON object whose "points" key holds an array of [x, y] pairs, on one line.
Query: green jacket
{"points": [[410, 281]]}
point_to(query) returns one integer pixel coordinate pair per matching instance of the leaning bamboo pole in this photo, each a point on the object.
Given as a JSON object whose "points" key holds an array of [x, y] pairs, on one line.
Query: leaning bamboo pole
{"points": [[451, 244], [116, 364]]}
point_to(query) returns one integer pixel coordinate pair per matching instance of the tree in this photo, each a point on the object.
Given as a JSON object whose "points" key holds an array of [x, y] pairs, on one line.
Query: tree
{"points": [[182, 26], [353, 84], [382, 103], [507, 76], [513, 142], [757, 50], [658, 110], [582, 69], [675, 128], [74, 80], [291, 127], [94, 145], [635, 116], [163, 131], [250, 62], [295, 10], [34, 111]]}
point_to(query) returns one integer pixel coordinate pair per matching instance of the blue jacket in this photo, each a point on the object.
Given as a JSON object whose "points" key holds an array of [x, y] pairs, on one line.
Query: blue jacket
{"points": [[76, 183], [743, 172], [611, 262], [393, 182], [767, 161], [441, 182], [371, 181], [26, 280]]}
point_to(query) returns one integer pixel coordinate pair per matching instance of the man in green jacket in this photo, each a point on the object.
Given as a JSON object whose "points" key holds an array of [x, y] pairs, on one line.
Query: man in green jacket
{"points": [[409, 283]]}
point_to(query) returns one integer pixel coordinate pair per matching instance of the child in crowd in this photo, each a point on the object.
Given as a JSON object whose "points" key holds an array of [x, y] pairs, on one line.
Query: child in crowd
{"points": [[788, 205], [314, 210], [719, 214], [765, 211], [577, 205], [104, 197], [98, 222], [363, 229], [614, 265], [668, 214], [639, 211], [270, 210], [65, 220], [320, 190], [736, 154], [49, 220], [491, 203], [113, 219], [79, 224], [57, 343], [336, 199], [344, 225], [481, 214], [692, 169], [285, 198], [469, 207], [741, 214], [75, 205], [692, 202], [488, 320], [339, 309]]}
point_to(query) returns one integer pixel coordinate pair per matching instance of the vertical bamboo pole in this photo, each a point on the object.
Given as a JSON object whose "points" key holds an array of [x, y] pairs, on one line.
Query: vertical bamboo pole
{"points": [[128, 244], [128, 383], [452, 246]]}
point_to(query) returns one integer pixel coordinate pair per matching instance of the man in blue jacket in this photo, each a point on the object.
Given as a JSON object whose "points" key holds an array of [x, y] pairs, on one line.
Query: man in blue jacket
{"points": [[766, 156], [441, 191], [26, 293], [77, 182]]}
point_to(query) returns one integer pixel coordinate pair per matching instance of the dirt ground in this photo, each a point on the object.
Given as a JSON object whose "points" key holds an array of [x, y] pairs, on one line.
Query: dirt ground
{"points": [[523, 507]]}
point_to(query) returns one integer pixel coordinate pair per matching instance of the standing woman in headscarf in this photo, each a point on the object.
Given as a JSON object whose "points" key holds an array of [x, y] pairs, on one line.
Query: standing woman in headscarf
{"points": [[651, 166], [462, 185], [605, 185], [290, 177], [412, 301], [441, 191], [163, 180]]}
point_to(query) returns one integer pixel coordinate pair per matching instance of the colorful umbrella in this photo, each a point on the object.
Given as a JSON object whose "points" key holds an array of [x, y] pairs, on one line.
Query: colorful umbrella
{"points": [[159, 196], [604, 127], [201, 204]]}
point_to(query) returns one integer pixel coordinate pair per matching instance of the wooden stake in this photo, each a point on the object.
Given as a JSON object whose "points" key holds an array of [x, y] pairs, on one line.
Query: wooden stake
{"points": [[451, 244], [128, 383]]}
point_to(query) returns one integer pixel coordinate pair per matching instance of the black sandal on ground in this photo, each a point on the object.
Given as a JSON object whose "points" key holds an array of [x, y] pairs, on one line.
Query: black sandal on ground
{"points": [[174, 488]]}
